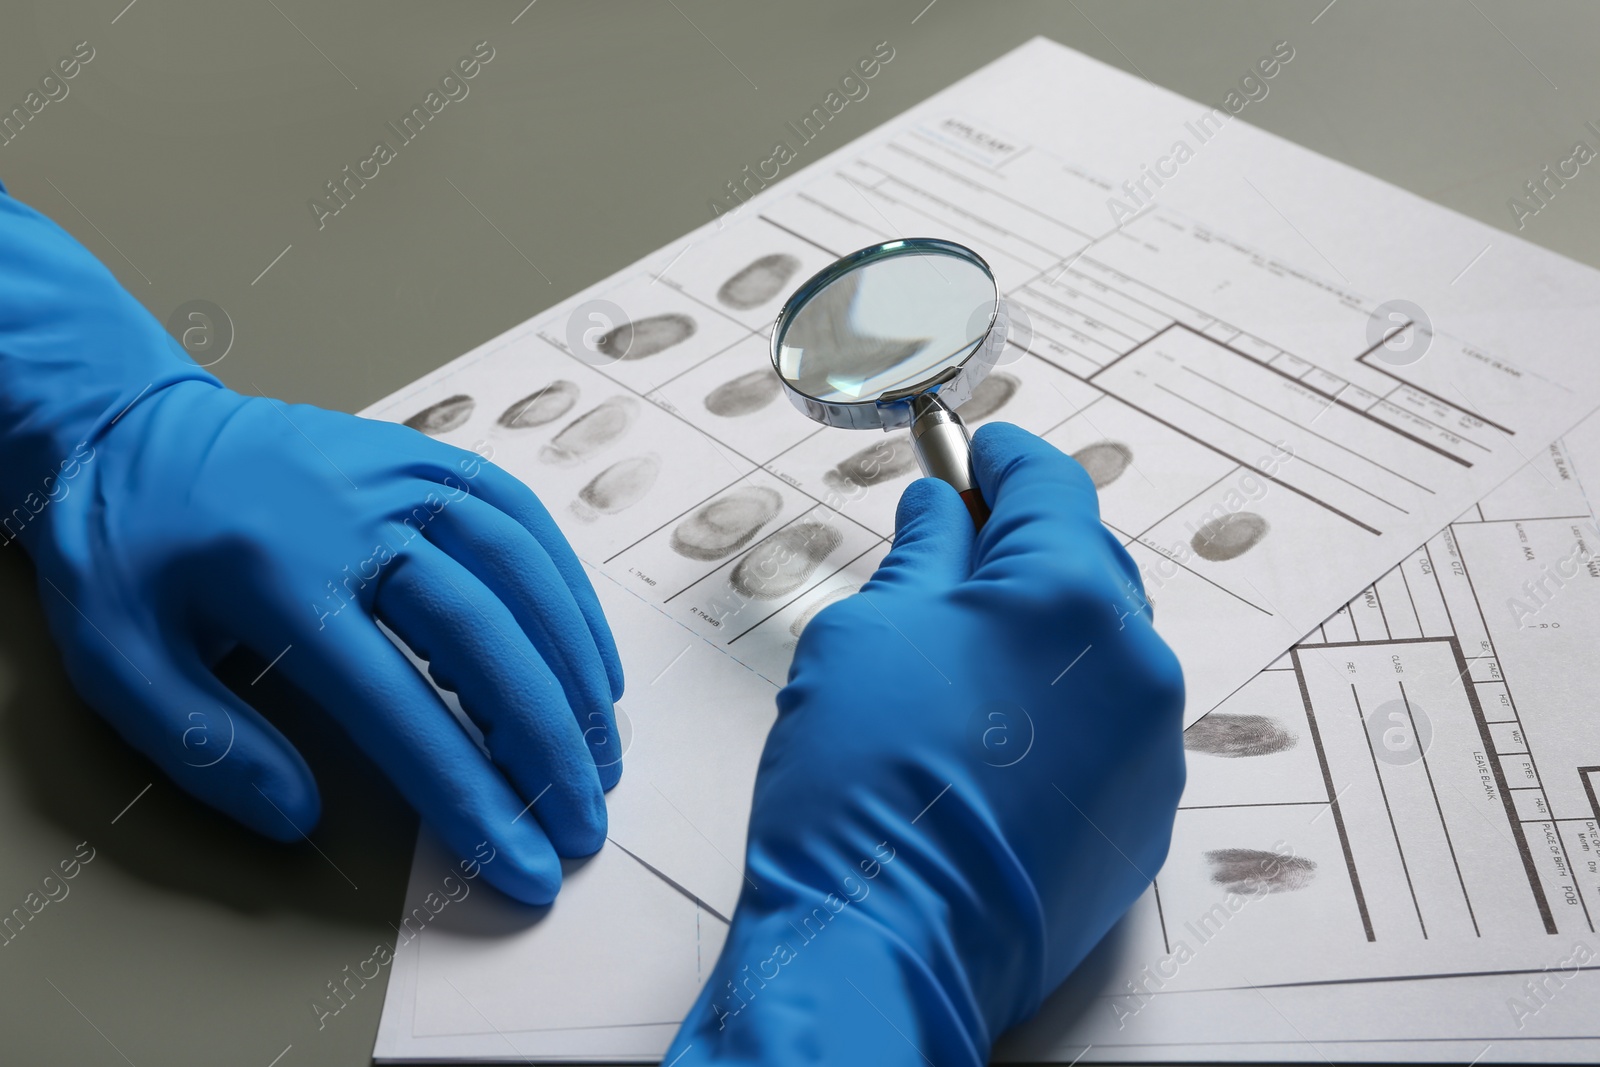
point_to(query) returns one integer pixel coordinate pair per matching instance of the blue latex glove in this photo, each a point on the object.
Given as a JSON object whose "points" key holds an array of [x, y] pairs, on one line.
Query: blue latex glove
{"points": [[170, 518], [973, 774]]}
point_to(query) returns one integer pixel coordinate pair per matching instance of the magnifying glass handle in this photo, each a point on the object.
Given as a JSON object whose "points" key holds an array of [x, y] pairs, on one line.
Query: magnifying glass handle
{"points": [[944, 451]]}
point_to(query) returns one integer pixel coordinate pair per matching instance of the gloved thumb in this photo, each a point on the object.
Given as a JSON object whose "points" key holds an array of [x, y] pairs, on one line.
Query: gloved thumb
{"points": [[216, 747], [932, 539]]}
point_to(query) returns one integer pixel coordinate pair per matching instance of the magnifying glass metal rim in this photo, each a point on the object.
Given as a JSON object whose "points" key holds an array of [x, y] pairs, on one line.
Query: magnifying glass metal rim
{"points": [[892, 410]]}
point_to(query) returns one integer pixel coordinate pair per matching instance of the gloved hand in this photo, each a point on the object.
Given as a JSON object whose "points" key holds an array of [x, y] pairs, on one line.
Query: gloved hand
{"points": [[170, 518], [973, 774]]}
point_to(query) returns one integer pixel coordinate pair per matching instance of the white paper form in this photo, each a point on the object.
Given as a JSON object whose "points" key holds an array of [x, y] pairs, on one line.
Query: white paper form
{"points": [[1208, 362], [1269, 773], [1258, 457], [1433, 752]]}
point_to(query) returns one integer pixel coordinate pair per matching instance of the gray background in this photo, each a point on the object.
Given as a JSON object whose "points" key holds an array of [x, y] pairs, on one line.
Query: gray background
{"points": [[184, 157]]}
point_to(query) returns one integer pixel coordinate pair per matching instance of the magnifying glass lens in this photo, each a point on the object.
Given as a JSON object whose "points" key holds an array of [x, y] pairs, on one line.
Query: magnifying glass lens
{"points": [[896, 335], [885, 326]]}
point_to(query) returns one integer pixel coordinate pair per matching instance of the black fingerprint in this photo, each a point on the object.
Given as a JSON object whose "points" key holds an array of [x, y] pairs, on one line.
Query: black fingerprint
{"points": [[781, 564], [726, 524], [446, 415], [759, 282], [536, 409], [1222, 733], [817, 605], [883, 460], [619, 486], [591, 431], [639, 340], [992, 394], [1251, 872], [1105, 461], [744, 395], [1229, 537]]}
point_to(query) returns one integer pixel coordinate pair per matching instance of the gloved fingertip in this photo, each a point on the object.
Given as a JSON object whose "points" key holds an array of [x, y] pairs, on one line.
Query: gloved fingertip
{"points": [[610, 773], [581, 832], [920, 496], [929, 508], [524, 867], [564, 793], [614, 676], [283, 807], [1001, 437], [259, 780], [606, 744], [933, 536], [1013, 465], [995, 446]]}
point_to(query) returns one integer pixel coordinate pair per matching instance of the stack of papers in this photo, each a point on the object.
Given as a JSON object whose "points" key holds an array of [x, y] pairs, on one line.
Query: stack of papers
{"points": [[1284, 382]]}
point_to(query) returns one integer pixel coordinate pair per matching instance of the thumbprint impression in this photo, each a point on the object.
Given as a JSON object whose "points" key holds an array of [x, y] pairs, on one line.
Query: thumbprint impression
{"points": [[879, 462], [721, 527], [1106, 461], [536, 409], [842, 593], [759, 282], [1229, 537], [619, 486], [744, 395], [446, 415], [646, 337], [1252, 872], [992, 394], [591, 431], [781, 563], [1225, 734]]}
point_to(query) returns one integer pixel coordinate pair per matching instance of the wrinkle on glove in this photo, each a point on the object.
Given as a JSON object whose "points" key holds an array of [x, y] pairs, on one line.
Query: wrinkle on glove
{"points": [[973, 775]]}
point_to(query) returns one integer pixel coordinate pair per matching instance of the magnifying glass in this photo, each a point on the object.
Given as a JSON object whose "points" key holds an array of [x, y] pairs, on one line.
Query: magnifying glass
{"points": [[897, 335]]}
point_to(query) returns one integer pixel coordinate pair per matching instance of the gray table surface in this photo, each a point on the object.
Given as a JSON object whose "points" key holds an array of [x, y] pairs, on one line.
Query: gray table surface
{"points": [[184, 156]]}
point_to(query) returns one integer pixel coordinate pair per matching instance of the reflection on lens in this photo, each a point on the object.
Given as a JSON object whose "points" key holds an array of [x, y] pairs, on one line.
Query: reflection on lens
{"points": [[887, 324]]}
